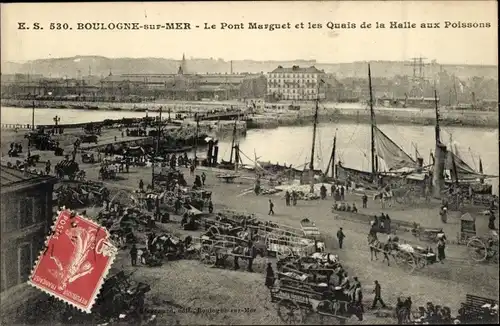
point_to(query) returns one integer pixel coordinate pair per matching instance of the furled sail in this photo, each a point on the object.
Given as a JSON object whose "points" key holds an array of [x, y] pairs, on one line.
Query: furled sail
{"points": [[394, 157]]}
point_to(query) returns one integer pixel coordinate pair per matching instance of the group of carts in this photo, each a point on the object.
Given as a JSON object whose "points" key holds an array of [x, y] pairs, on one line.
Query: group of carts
{"points": [[300, 289]]}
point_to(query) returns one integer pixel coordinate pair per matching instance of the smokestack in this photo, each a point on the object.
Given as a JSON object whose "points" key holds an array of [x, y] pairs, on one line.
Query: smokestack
{"points": [[210, 151], [216, 154]]}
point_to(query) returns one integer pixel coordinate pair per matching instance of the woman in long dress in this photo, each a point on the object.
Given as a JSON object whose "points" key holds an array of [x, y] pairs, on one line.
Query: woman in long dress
{"points": [[440, 248], [269, 276]]}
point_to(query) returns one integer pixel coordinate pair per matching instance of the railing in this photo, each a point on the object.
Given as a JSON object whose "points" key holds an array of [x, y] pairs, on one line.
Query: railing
{"points": [[12, 126]]}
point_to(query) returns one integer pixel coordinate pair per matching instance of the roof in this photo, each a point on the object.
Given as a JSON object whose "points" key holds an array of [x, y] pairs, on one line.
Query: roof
{"points": [[221, 79], [13, 179], [296, 69]]}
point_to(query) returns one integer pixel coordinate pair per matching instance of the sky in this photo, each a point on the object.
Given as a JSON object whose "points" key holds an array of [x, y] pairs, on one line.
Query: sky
{"points": [[445, 45]]}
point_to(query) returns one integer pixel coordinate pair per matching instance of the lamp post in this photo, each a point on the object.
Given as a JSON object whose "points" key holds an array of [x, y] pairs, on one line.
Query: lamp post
{"points": [[56, 121]]}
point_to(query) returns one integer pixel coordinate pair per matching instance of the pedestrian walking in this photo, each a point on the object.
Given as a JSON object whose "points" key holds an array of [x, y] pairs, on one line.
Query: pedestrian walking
{"points": [[378, 297], [287, 198], [365, 200], [203, 178], [340, 237], [141, 185], [133, 255], [271, 207], [342, 193]]}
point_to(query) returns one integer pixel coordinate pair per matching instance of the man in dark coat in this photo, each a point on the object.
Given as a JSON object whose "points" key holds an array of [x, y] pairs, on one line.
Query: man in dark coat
{"points": [[378, 297], [340, 237], [365, 200], [271, 207]]}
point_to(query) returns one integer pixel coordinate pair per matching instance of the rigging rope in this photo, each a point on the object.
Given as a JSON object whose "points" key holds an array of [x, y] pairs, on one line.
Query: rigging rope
{"points": [[341, 156]]}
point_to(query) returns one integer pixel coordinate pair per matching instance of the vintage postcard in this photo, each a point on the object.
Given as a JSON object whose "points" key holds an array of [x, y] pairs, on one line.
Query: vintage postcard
{"points": [[262, 163]]}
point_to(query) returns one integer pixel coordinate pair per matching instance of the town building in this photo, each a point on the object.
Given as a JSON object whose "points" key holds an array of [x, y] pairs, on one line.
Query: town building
{"points": [[26, 217], [296, 83], [182, 85]]}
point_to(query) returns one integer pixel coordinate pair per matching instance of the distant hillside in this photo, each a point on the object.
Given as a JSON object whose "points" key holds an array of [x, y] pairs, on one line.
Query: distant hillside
{"points": [[96, 65]]}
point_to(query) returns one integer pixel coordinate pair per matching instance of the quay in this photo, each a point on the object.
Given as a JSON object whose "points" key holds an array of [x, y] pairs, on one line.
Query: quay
{"points": [[223, 116]]}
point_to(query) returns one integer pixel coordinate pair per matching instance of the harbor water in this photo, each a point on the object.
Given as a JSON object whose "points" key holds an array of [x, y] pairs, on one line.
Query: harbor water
{"points": [[292, 145]]}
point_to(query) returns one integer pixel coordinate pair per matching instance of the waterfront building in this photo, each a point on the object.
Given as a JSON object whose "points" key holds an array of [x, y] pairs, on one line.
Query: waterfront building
{"points": [[26, 217], [183, 85], [296, 83]]}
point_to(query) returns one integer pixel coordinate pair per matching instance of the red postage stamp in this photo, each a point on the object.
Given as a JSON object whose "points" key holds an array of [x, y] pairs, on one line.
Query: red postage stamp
{"points": [[76, 259]]}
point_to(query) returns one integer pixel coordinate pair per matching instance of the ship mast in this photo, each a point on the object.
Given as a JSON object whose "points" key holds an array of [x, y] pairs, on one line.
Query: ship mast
{"points": [[439, 157], [437, 129], [334, 149], [372, 122], [311, 163], [232, 143]]}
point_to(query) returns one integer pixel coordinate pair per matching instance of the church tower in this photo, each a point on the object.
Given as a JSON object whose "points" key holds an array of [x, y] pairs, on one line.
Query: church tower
{"points": [[182, 66]]}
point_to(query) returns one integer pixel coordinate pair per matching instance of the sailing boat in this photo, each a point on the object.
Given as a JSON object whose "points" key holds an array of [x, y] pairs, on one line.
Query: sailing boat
{"points": [[231, 165], [461, 174], [397, 161], [311, 171]]}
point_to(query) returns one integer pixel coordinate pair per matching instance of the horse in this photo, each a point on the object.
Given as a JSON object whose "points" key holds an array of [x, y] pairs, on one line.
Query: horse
{"points": [[341, 305], [377, 246]]}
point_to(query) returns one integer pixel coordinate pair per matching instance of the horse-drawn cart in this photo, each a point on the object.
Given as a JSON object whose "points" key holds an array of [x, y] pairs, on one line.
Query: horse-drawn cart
{"points": [[484, 248], [296, 303], [406, 256], [215, 251]]}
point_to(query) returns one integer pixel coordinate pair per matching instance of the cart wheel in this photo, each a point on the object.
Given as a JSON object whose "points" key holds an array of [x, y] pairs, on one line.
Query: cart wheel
{"points": [[421, 263], [207, 256], [398, 257], [290, 312], [284, 253], [477, 249], [408, 263]]}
